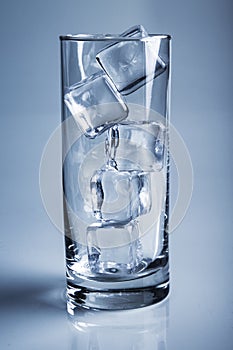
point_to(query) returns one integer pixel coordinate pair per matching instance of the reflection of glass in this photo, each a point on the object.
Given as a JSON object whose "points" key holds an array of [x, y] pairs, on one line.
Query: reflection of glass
{"points": [[143, 329]]}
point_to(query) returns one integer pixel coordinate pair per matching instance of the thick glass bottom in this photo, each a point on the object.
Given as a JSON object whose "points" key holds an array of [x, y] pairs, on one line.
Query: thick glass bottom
{"points": [[116, 298]]}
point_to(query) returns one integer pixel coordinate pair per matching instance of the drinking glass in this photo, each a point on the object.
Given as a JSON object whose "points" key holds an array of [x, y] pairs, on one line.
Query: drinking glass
{"points": [[115, 114]]}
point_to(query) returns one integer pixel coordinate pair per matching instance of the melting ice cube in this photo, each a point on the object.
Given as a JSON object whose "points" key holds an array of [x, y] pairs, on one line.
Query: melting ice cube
{"points": [[95, 104], [114, 249], [120, 196], [132, 63]]}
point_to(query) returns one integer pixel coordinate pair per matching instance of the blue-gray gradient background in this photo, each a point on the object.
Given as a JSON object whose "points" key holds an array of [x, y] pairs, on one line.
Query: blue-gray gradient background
{"points": [[199, 313]]}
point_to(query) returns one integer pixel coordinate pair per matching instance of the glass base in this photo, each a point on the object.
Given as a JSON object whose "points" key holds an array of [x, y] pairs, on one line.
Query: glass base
{"points": [[114, 299]]}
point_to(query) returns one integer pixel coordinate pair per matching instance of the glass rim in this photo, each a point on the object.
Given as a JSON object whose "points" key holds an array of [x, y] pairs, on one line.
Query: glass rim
{"points": [[110, 37]]}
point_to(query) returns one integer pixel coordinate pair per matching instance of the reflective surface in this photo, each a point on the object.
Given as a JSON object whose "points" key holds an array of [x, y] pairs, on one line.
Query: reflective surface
{"points": [[129, 330], [33, 311]]}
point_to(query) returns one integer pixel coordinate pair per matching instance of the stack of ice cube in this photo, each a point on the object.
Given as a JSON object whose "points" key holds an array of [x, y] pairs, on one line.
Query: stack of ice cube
{"points": [[96, 102], [120, 190]]}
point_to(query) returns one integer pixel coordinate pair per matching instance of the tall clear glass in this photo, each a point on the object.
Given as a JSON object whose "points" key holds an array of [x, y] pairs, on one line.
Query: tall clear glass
{"points": [[115, 114]]}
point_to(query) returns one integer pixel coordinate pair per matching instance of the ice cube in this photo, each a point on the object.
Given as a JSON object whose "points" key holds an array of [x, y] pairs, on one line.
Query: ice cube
{"points": [[114, 249], [87, 51], [137, 31], [95, 104], [120, 196], [140, 146], [132, 63]]}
